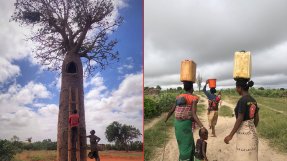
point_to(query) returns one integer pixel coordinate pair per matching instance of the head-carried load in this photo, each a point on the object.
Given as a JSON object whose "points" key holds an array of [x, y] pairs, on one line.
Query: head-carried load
{"points": [[188, 71], [242, 65]]}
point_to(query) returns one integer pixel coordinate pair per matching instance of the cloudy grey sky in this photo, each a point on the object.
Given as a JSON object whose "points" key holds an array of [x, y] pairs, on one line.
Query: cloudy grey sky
{"points": [[209, 32]]}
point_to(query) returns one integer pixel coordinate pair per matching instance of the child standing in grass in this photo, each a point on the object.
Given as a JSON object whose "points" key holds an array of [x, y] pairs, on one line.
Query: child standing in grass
{"points": [[200, 149]]}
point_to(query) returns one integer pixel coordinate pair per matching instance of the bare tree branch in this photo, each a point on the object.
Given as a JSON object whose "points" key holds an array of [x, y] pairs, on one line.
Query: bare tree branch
{"points": [[80, 27]]}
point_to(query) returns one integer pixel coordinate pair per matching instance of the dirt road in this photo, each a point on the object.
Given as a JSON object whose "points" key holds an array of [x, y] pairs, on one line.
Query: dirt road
{"points": [[217, 150], [120, 156]]}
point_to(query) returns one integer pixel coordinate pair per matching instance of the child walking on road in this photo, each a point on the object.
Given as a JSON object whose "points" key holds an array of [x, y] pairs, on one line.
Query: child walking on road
{"points": [[201, 145]]}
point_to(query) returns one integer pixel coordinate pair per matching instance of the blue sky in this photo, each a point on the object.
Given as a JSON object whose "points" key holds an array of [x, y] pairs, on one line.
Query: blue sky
{"points": [[115, 91]]}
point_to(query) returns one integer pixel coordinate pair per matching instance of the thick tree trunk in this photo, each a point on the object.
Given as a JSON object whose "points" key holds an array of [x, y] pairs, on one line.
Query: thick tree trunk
{"points": [[71, 89]]}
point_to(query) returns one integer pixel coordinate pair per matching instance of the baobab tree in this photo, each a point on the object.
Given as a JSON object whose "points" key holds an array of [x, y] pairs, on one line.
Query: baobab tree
{"points": [[65, 34]]}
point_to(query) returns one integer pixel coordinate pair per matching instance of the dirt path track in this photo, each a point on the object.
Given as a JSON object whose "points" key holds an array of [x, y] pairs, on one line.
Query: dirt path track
{"points": [[217, 150], [154, 121]]}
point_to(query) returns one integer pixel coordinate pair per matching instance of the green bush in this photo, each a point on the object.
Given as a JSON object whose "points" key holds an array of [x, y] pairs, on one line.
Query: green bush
{"points": [[136, 146], [166, 101], [133, 146], [7, 150], [151, 108]]}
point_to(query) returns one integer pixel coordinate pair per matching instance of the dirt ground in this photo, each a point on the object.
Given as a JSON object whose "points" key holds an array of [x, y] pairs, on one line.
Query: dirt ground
{"points": [[217, 150], [120, 156], [104, 156]]}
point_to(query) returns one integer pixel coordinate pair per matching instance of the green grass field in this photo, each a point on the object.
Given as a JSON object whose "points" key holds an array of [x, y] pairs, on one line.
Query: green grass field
{"points": [[36, 155], [225, 111]]}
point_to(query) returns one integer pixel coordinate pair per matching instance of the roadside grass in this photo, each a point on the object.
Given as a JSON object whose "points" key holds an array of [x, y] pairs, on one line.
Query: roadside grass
{"points": [[231, 98], [272, 125], [200, 109], [39, 155], [225, 111], [201, 101], [156, 136], [275, 103]]}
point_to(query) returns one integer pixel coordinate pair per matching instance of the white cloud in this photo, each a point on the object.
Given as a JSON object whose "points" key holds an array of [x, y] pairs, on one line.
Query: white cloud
{"points": [[22, 115], [127, 65], [17, 97], [8, 70], [123, 104]]}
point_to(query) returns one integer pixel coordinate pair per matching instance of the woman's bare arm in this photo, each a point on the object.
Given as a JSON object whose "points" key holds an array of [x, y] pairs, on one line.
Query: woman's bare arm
{"points": [[194, 115], [237, 124], [170, 113], [235, 128]]}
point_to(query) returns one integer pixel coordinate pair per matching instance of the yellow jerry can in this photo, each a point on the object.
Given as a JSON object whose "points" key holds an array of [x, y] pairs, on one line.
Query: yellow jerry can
{"points": [[188, 71], [242, 65]]}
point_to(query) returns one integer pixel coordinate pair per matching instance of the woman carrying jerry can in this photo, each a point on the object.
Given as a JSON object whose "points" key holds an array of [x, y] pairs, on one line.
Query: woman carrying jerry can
{"points": [[185, 113], [246, 111], [213, 101], [247, 118]]}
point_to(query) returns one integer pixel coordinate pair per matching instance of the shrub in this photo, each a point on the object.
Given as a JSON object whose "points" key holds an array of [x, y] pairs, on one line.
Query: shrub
{"points": [[150, 108], [7, 150]]}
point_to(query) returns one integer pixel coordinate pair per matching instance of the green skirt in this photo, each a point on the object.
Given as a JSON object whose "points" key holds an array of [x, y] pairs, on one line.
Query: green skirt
{"points": [[185, 141]]}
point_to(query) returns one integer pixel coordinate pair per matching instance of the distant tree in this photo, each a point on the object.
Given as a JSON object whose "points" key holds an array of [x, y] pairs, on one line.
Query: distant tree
{"points": [[261, 88], [15, 138], [122, 135], [145, 88], [158, 87], [29, 140], [282, 89], [179, 88], [199, 81]]}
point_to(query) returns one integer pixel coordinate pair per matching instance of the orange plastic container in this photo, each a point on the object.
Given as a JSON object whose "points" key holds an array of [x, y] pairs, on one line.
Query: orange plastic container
{"points": [[212, 83], [188, 71]]}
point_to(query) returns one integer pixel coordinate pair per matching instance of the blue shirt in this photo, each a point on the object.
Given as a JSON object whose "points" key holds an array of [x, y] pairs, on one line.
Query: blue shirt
{"points": [[209, 95]]}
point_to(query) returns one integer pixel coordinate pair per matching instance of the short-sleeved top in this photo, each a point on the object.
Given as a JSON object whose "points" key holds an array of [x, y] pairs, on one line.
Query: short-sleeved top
{"points": [[183, 110], [209, 95], [189, 98], [94, 142], [248, 106], [74, 120]]}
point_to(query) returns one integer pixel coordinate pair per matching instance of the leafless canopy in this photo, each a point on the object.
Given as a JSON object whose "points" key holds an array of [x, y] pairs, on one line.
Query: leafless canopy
{"points": [[70, 26], [199, 81]]}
